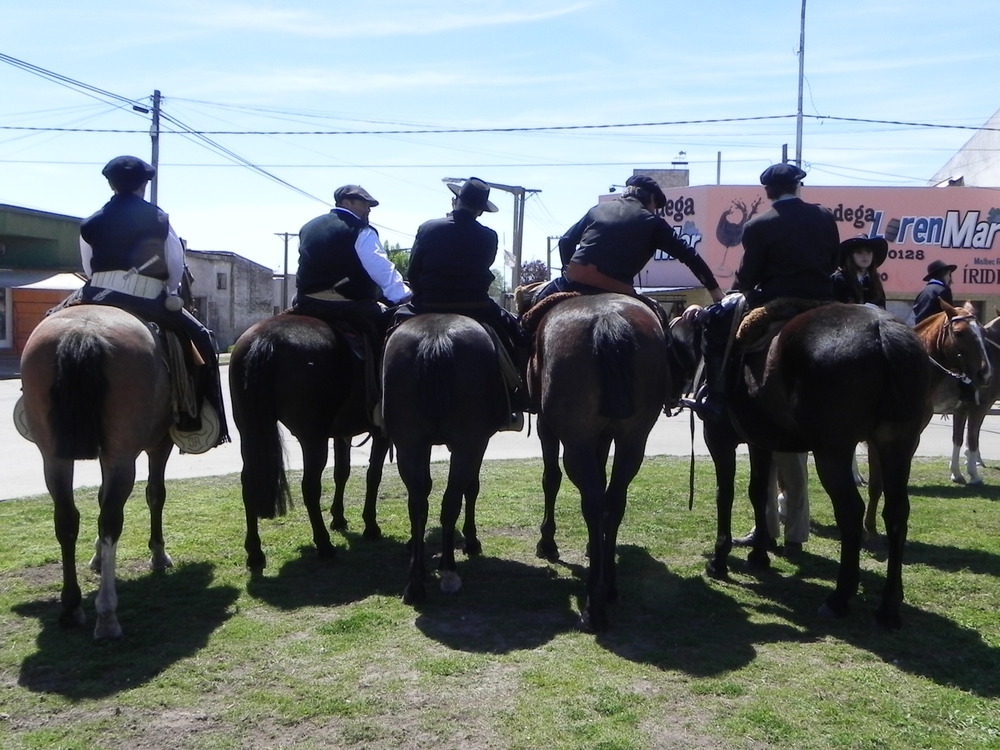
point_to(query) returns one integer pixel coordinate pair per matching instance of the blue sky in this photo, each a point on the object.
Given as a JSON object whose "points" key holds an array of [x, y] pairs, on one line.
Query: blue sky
{"points": [[502, 68]]}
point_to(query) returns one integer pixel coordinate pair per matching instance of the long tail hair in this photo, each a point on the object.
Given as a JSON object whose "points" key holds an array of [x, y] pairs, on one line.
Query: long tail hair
{"points": [[615, 345], [435, 375], [909, 377], [78, 395], [265, 485]]}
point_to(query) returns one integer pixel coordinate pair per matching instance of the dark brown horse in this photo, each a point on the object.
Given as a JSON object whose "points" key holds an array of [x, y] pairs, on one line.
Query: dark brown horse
{"points": [[296, 370], [96, 385], [442, 385], [833, 377], [600, 375], [955, 346]]}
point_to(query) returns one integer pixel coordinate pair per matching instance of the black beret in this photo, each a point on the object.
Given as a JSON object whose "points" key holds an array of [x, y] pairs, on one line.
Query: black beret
{"points": [[781, 174], [651, 186], [128, 172]]}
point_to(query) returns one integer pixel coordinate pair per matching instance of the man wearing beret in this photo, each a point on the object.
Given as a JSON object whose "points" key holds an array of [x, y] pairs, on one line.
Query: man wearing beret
{"points": [[607, 248], [789, 251], [133, 259], [344, 273], [938, 287]]}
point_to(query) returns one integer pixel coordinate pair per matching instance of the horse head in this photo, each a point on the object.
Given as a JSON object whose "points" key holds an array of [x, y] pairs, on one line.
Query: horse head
{"points": [[960, 342]]}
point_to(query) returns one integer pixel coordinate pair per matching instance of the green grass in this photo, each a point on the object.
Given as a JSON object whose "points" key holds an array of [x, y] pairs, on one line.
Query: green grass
{"points": [[318, 654]]}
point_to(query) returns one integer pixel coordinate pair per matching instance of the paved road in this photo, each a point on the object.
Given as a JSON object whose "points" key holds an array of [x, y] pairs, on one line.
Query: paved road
{"points": [[21, 473]]}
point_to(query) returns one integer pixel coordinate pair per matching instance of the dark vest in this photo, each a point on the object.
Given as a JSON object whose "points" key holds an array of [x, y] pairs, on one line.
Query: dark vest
{"points": [[126, 233], [328, 259]]}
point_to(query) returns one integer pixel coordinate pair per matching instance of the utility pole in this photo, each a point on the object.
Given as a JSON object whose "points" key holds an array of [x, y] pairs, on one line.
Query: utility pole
{"points": [[802, 68], [284, 268], [154, 134], [548, 260]]}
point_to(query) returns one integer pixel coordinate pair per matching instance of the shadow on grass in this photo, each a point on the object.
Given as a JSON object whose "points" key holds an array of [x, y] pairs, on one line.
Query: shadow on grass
{"points": [[69, 663]]}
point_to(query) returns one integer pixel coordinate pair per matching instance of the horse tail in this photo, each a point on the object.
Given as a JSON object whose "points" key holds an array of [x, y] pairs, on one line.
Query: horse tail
{"points": [[434, 374], [615, 345], [78, 395], [265, 485], [909, 379]]}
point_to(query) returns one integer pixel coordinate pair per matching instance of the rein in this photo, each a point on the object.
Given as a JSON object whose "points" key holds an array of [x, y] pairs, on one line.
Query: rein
{"points": [[947, 330]]}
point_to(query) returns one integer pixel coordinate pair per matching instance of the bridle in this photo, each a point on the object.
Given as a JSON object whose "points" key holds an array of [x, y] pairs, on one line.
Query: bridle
{"points": [[949, 331]]}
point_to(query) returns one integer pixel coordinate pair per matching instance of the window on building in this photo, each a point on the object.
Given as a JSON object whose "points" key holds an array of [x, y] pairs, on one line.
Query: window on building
{"points": [[221, 281]]}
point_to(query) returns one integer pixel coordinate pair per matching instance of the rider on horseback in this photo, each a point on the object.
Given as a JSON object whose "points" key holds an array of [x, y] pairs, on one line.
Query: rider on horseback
{"points": [[450, 273], [343, 274], [606, 249], [133, 259], [789, 251]]}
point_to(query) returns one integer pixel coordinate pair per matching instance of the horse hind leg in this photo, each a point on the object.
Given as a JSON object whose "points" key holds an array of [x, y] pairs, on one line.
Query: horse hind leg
{"points": [[373, 479], [156, 496], [973, 459], [116, 486], [59, 480], [547, 549], [314, 458], [341, 473], [957, 436], [895, 514], [834, 470], [470, 533], [414, 470]]}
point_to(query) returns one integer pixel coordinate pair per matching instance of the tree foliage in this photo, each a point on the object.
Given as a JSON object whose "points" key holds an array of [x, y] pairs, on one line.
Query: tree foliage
{"points": [[534, 270], [399, 256]]}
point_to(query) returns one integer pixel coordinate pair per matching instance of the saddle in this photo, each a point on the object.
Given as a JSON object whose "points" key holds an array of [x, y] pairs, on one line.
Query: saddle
{"points": [[759, 326]]}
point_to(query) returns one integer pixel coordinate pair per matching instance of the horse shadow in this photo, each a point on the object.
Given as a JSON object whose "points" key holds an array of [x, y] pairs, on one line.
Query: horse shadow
{"points": [[65, 665], [364, 568]]}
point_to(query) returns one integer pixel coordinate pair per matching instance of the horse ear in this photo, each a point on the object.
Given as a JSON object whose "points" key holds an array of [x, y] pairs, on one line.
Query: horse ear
{"points": [[950, 309]]}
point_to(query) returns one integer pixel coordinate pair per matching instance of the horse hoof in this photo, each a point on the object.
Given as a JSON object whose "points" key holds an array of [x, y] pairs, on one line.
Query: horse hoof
{"points": [[546, 550], [72, 619], [473, 547], [976, 482], [593, 623], [327, 552], [450, 582], [160, 561], [372, 533], [107, 628], [759, 560], [829, 611], [717, 570], [338, 524], [958, 479], [414, 594], [888, 620]]}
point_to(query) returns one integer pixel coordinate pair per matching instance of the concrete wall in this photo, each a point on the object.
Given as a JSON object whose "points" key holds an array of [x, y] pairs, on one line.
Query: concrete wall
{"points": [[231, 293]]}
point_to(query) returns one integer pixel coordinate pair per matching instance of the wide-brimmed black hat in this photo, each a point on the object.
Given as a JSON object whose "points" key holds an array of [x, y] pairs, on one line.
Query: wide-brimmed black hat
{"points": [[128, 172], [651, 186], [878, 246], [353, 191], [782, 174], [938, 268], [475, 194]]}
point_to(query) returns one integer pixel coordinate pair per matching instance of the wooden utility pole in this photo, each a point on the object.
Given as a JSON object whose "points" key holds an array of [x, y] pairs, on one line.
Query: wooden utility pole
{"points": [[284, 269], [154, 134]]}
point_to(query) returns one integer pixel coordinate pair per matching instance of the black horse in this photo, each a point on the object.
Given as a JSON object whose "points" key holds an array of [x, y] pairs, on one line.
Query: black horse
{"points": [[833, 377], [600, 375], [442, 385], [296, 370]]}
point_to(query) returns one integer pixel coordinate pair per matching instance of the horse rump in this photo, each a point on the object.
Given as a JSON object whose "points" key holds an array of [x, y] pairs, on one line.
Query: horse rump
{"points": [[78, 395], [615, 345]]}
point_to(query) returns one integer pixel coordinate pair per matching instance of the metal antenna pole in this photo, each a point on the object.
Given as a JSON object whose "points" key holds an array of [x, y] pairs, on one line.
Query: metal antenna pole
{"points": [[284, 270]]}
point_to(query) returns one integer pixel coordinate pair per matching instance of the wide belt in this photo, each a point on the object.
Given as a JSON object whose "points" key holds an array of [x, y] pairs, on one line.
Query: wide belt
{"points": [[329, 295], [128, 282]]}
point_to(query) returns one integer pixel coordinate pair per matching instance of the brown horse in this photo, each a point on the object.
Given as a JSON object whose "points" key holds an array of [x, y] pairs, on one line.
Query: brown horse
{"points": [[96, 385], [833, 377], [599, 372], [973, 414], [442, 386], [296, 370], [955, 346]]}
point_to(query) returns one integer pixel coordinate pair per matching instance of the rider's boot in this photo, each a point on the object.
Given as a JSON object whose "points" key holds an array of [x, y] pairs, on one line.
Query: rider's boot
{"points": [[711, 403]]}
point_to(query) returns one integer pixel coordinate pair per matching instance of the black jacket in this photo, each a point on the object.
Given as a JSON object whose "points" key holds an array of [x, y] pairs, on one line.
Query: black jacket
{"points": [[450, 261], [926, 303], [789, 251], [619, 237], [328, 260], [126, 233]]}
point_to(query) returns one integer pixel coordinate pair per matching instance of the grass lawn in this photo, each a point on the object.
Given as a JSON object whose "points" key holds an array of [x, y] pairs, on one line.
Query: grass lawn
{"points": [[322, 654]]}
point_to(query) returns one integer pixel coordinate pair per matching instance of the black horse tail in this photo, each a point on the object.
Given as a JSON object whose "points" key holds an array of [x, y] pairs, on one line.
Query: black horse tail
{"points": [[435, 375], [909, 375], [78, 395], [615, 345], [265, 485]]}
